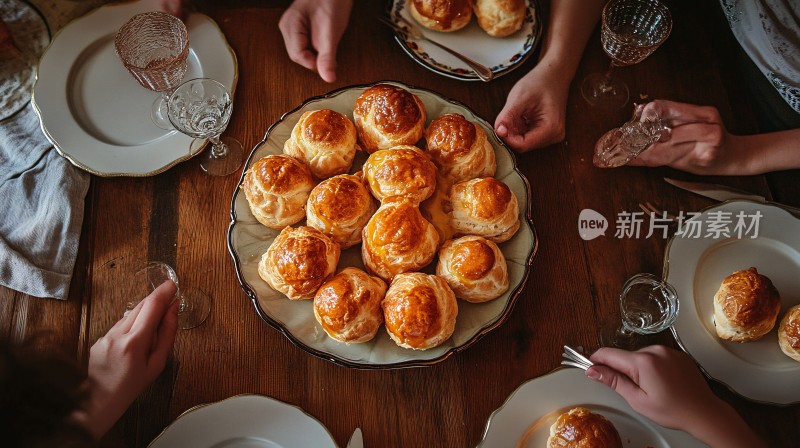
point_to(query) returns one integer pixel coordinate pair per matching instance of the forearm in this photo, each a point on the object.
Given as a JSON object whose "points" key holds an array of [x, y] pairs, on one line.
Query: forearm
{"points": [[764, 153], [722, 427], [569, 28]]}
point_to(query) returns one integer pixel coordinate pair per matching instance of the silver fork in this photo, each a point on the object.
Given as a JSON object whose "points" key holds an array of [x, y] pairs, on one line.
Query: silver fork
{"points": [[574, 359], [412, 32], [650, 210]]}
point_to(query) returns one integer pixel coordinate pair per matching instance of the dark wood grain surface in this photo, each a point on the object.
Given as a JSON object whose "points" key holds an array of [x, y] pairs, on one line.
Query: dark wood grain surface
{"points": [[182, 215]]}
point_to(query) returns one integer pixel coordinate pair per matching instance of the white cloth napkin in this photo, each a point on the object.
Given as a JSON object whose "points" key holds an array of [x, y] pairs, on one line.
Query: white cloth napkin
{"points": [[41, 210]]}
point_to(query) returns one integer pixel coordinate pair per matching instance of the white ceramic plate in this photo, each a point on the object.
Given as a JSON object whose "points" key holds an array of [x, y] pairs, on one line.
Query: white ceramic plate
{"points": [[500, 54], [696, 267], [97, 115], [31, 35], [248, 240], [524, 420], [245, 421]]}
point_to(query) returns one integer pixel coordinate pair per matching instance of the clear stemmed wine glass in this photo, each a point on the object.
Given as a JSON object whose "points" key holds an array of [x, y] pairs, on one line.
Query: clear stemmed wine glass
{"points": [[195, 305], [648, 305], [620, 145], [201, 108], [631, 30], [154, 48]]}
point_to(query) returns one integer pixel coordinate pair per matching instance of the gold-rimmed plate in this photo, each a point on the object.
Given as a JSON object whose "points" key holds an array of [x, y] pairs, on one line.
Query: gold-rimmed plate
{"points": [[524, 420], [95, 113], [248, 240], [696, 265], [245, 421]]}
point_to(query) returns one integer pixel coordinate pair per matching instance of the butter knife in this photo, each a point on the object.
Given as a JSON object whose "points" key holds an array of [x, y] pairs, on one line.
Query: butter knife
{"points": [[725, 193], [356, 440]]}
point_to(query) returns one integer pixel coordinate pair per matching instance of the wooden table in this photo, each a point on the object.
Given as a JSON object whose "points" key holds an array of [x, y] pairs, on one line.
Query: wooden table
{"points": [[182, 216]]}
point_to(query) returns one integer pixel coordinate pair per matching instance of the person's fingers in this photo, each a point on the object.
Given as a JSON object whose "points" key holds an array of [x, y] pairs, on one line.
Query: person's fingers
{"points": [[165, 338], [124, 325], [295, 31], [696, 132], [616, 380], [676, 114], [325, 42], [154, 308], [619, 360]]}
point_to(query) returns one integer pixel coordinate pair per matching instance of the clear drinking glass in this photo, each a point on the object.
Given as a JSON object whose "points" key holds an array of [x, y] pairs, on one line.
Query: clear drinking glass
{"points": [[631, 30], [201, 108], [648, 305], [195, 305], [620, 145], [154, 48]]}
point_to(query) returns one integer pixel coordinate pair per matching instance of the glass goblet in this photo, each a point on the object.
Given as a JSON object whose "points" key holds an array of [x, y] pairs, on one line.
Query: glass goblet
{"points": [[194, 307], [631, 30], [201, 108], [648, 305], [620, 145], [154, 48]]}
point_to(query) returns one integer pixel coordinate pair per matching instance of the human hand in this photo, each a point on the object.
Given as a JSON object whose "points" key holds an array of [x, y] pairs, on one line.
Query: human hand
{"points": [[124, 362], [666, 386], [312, 30], [534, 115], [698, 142]]}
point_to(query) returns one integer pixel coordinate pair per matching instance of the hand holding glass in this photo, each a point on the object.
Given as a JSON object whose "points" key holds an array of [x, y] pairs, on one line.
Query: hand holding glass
{"points": [[195, 305], [201, 108]]}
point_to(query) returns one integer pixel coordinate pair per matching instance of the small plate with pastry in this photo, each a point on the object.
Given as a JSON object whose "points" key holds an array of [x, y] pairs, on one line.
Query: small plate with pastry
{"points": [[382, 226], [566, 409], [739, 294], [499, 34]]}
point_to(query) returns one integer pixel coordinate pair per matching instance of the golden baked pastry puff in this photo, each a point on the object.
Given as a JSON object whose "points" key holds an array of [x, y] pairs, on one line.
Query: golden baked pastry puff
{"points": [[405, 171], [474, 268], [340, 208], [484, 207], [398, 239], [348, 306], [387, 116], [325, 141], [789, 333], [441, 15], [459, 148], [500, 18], [277, 188], [582, 428], [746, 306], [299, 261], [420, 311]]}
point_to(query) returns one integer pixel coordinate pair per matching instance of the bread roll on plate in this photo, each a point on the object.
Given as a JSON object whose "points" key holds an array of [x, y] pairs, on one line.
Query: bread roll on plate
{"points": [[348, 306], [277, 188], [325, 141], [420, 311], [387, 116], [746, 306], [299, 261], [340, 208], [398, 239], [441, 15], [500, 18], [789, 333], [474, 268], [405, 171], [582, 428], [460, 149], [484, 207]]}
